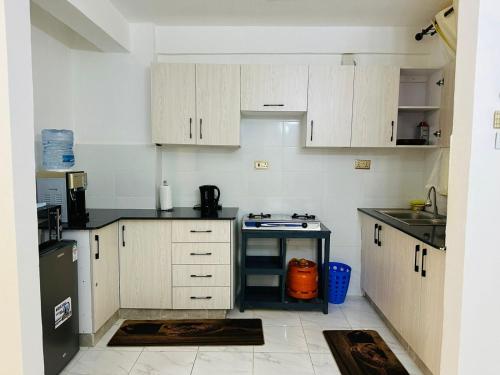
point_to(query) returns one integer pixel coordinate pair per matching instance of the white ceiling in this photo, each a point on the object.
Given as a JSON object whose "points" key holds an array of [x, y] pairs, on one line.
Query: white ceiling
{"points": [[282, 12]]}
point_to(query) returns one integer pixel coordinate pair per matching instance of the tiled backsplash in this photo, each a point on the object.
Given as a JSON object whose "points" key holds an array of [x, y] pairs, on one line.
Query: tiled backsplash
{"points": [[318, 181]]}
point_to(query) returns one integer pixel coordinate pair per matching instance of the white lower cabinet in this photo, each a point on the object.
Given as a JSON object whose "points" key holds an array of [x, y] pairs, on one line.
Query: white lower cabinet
{"points": [[202, 297], [405, 279], [105, 274], [145, 264]]}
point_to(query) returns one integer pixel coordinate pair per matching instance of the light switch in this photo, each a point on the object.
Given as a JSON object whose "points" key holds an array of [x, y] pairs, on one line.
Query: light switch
{"points": [[497, 141], [496, 121]]}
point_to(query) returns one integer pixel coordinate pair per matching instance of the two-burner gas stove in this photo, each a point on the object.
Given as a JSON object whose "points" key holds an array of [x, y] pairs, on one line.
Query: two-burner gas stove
{"points": [[281, 222]]}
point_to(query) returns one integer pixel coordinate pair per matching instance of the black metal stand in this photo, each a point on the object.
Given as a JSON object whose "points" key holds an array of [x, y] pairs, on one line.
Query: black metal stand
{"points": [[275, 296]]}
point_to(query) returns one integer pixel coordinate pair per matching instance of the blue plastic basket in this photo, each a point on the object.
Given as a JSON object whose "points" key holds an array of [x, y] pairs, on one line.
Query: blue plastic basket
{"points": [[339, 277]]}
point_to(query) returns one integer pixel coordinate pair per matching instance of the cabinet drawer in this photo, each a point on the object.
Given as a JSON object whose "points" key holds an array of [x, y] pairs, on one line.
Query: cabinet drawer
{"points": [[201, 275], [201, 253], [201, 298], [201, 231]]}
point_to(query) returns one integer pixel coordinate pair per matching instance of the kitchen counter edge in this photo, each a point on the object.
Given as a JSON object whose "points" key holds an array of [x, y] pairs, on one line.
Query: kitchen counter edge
{"points": [[99, 218], [431, 235]]}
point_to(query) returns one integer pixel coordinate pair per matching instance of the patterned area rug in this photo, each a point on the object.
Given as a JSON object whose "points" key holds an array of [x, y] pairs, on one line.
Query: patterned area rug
{"points": [[363, 353], [199, 332]]}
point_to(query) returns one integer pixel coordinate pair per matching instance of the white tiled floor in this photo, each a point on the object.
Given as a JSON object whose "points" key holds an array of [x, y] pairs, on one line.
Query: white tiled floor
{"points": [[294, 345]]}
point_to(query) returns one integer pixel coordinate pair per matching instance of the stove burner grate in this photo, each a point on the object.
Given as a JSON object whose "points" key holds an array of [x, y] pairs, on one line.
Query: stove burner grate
{"points": [[305, 217], [259, 216]]}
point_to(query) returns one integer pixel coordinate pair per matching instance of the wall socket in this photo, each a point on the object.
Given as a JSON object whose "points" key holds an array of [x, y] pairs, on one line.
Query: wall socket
{"points": [[261, 164], [362, 164]]}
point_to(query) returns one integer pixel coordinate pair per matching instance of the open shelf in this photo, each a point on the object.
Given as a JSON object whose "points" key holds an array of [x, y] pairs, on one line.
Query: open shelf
{"points": [[264, 265], [262, 294], [420, 93], [418, 108]]}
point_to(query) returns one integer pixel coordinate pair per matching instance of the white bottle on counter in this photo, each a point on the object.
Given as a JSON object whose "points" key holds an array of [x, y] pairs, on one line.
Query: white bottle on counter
{"points": [[165, 197]]}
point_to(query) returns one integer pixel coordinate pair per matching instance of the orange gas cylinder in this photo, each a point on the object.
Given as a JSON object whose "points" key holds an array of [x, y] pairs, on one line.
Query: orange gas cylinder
{"points": [[302, 279]]}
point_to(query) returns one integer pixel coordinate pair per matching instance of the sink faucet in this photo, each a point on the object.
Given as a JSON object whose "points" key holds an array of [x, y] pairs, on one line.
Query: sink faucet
{"points": [[429, 203]]}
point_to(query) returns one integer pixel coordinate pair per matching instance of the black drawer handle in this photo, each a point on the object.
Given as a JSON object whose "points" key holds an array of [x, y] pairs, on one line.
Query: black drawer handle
{"points": [[207, 297], [96, 237], [375, 234], [123, 235], [274, 105], [417, 250], [201, 275], [201, 231], [379, 243], [200, 254], [424, 271]]}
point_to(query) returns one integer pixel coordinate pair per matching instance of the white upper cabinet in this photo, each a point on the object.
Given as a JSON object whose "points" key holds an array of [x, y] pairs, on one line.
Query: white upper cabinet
{"points": [[274, 88], [375, 106], [218, 105], [173, 103], [196, 104], [329, 113]]}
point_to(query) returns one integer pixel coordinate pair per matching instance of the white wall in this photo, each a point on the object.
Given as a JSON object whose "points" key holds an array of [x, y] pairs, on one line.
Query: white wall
{"points": [[472, 306], [320, 182], [52, 89], [21, 345]]}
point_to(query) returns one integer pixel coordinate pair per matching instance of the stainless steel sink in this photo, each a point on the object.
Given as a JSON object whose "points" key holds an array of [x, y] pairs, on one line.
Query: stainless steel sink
{"points": [[410, 217]]}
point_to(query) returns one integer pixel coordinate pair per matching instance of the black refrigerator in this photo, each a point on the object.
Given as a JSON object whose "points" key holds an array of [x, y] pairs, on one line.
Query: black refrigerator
{"points": [[59, 296]]}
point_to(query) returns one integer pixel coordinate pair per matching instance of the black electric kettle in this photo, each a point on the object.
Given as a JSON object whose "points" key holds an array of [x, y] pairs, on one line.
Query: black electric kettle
{"points": [[209, 201]]}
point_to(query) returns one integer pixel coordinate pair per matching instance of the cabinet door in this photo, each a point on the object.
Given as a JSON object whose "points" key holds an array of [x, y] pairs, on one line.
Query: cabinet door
{"points": [[368, 255], [218, 105], [447, 107], [173, 103], [329, 112], [390, 253], [274, 88], [404, 284], [145, 264], [430, 325], [375, 106], [105, 274]]}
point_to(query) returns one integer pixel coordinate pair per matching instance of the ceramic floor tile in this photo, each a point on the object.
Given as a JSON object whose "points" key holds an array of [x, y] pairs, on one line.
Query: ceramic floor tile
{"points": [[362, 317], [316, 342], [221, 363], [170, 348], [324, 364], [282, 364], [278, 318], [283, 340], [232, 348], [104, 362], [164, 363], [335, 319]]}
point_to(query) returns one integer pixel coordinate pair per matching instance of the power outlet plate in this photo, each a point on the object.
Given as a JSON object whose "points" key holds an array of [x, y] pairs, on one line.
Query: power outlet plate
{"points": [[261, 164], [496, 120], [362, 164]]}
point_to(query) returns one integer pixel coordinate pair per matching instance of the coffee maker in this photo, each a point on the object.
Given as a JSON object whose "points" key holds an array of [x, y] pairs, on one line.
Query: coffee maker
{"points": [[209, 200], [66, 189]]}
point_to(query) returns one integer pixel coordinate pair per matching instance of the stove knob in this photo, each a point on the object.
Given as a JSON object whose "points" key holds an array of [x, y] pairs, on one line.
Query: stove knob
{"points": [[304, 225], [257, 225]]}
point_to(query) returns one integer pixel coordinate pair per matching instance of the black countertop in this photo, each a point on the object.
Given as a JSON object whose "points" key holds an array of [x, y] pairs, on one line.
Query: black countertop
{"points": [[99, 218], [432, 235]]}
